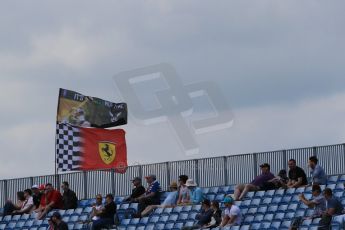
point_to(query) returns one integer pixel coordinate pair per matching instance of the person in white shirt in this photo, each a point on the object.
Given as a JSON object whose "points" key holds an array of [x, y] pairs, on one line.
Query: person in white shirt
{"points": [[232, 213], [97, 208], [27, 205]]}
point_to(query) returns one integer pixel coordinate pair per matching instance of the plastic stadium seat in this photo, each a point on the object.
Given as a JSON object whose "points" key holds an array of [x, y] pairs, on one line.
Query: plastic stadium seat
{"points": [[255, 226], [205, 190], [158, 210], [2, 226], [66, 219], [340, 186], [70, 225], [300, 213], [259, 194], [265, 224], [255, 202], [258, 218], [306, 222], [87, 209], [276, 199], [292, 207], [159, 226], [250, 195], [244, 211], [245, 227], [25, 216], [177, 209], [299, 190], [286, 199], [213, 190], [164, 218], [245, 203], [189, 223], [332, 179], [134, 221], [248, 219], [169, 225], [295, 198], [124, 206], [220, 197], [28, 223], [272, 208], [267, 200], [331, 186], [279, 216], [282, 207], [289, 215], [262, 209], [172, 217], [183, 216], [20, 223], [131, 227], [285, 224], [125, 222], [167, 210], [11, 224], [178, 225], [341, 178], [279, 192], [269, 193], [134, 206], [235, 228], [78, 210], [192, 215], [210, 196], [309, 212], [316, 221], [78, 226], [252, 211], [6, 218], [34, 228], [83, 218], [187, 208], [153, 219], [196, 207]]}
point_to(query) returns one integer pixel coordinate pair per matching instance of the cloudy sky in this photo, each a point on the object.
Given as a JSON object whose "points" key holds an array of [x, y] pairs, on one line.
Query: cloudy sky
{"points": [[277, 68]]}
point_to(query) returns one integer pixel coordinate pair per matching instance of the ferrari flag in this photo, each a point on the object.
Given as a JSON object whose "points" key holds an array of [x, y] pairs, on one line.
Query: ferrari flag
{"points": [[80, 148], [85, 111]]}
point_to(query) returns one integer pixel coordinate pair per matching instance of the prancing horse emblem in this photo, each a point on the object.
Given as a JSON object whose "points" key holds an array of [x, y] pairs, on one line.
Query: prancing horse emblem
{"points": [[107, 151]]}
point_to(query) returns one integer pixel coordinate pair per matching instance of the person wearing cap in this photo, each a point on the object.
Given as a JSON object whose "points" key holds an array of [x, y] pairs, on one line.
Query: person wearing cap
{"points": [[36, 196], [318, 202], [232, 213], [151, 196], [28, 204], [317, 172], [107, 214], [297, 177], [137, 191], [69, 198], [196, 196], [57, 221], [51, 199], [242, 189], [204, 217], [170, 200], [183, 191]]}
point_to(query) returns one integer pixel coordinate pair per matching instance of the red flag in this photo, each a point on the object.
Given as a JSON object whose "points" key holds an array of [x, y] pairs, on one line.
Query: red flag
{"points": [[81, 148]]}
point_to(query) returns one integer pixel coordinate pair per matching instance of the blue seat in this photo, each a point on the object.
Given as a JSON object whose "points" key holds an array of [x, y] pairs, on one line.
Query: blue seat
{"points": [[279, 216], [164, 219], [167, 210], [178, 225], [20, 223], [183, 216], [267, 201], [258, 218], [150, 226], [245, 227], [279, 192], [269, 193], [205, 190], [255, 226], [316, 221], [131, 227], [300, 213], [211, 196], [262, 209], [245, 203], [188, 223], [173, 217], [125, 222], [124, 206], [134, 221], [341, 178], [153, 219], [220, 197], [77, 211], [332, 179], [286, 199], [272, 208], [265, 224], [187, 208], [255, 202], [250, 195], [158, 211], [299, 190], [252, 211], [248, 219], [213, 190], [177, 209], [289, 215], [276, 199], [259, 194], [282, 207], [292, 207], [169, 225], [144, 220], [25, 216], [28, 223], [306, 222]]}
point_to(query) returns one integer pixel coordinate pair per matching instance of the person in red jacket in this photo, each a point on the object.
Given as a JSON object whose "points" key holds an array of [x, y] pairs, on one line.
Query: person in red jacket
{"points": [[51, 199]]}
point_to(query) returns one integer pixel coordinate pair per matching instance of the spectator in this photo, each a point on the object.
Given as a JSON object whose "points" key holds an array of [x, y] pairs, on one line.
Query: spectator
{"points": [[242, 189], [297, 177], [97, 208], [51, 199], [69, 198], [36, 196], [216, 218], [10, 207], [57, 221], [107, 214], [333, 207], [232, 213], [169, 201], [318, 202], [195, 194], [204, 217], [184, 193], [137, 191], [318, 174], [151, 196], [277, 182], [28, 204]]}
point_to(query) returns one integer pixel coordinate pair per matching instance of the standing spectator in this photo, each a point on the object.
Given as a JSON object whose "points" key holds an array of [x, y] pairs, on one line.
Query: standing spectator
{"points": [[232, 213], [196, 196], [57, 221], [318, 174], [10, 207], [28, 204], [107, 214], [97, 208], [242, 189], [318, 202], [169, 201], [152, 194], [204, 217], [297, 177], [333, 207], [216, 218], [51, 199], [36, 196], [184, 193], [137, 191], [69, 198]]}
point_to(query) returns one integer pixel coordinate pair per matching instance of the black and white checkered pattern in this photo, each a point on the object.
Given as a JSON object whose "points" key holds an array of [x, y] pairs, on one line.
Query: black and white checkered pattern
{"points": [[68, 147]]}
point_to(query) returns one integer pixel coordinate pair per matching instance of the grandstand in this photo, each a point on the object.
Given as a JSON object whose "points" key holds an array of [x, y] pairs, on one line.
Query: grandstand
{"points": [[271, 209]]}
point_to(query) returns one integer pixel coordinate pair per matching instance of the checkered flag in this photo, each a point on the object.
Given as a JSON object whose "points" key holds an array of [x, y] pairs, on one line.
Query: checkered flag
{"points": [[68, 147]]}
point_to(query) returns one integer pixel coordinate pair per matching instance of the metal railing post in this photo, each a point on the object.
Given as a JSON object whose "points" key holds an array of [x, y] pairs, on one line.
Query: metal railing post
{"points": [[284, 159], [85, 184], [5, 190], [112, 176], [225, 170], [314, 152], [196, 172], [167, 165], [255, 166]]}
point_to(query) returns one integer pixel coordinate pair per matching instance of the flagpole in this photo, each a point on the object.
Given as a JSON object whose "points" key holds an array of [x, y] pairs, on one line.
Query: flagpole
{"points": [[56, 124]]}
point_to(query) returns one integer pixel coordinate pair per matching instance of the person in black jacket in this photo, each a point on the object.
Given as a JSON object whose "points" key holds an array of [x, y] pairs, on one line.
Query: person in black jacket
{"points": [[107, 214], [137, 191], [69, 198]]}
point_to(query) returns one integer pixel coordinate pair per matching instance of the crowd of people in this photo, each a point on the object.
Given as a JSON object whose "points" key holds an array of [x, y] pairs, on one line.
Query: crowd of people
{"points": [[44, 198]]}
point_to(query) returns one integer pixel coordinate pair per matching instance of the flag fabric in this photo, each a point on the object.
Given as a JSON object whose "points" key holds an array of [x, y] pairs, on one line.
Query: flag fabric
{"points": [[80, 148], [86, 111]]}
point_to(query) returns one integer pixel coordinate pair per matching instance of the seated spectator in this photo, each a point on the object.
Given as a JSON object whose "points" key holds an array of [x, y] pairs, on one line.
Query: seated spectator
{"points": [[333, 207], [69, 198], [216, 218], [204, 217], [151, 196], [170, 200], [106, 215], [183, 193], [97, 208], [137, 191], [297, 177], [195, 193], [57, 222], [36, 196], [318, 202], [10, 207], [277, 182], [242, 189], [51, 199], [318, 174], [232, 213], [28, 204]]}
